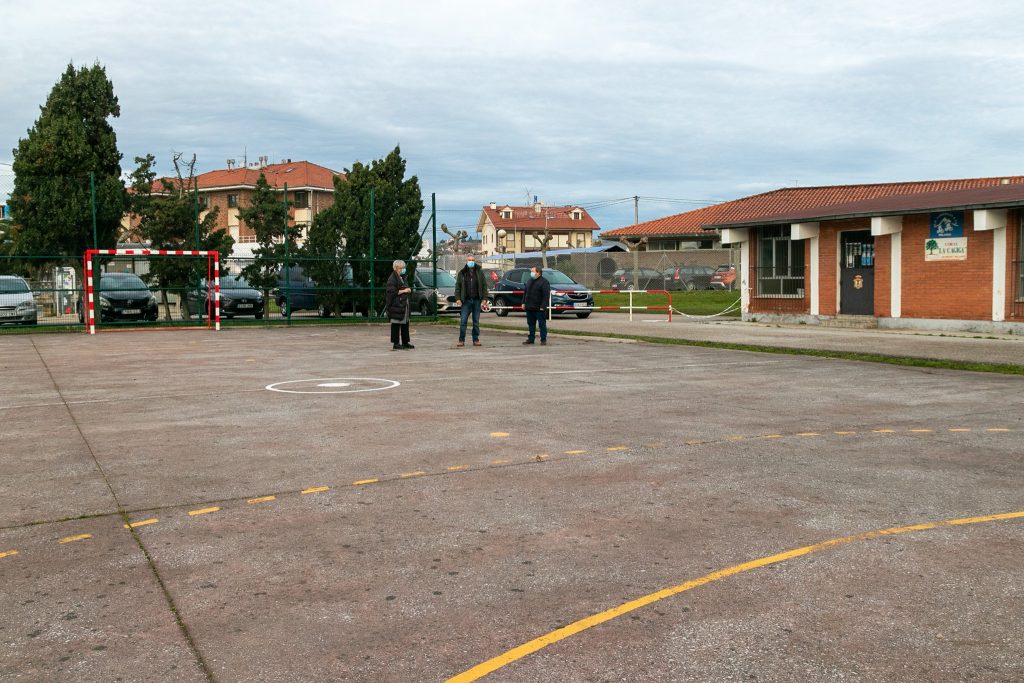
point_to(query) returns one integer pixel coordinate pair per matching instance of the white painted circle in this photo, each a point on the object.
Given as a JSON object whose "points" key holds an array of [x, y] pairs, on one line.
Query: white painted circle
{"points": [[333, 385]]}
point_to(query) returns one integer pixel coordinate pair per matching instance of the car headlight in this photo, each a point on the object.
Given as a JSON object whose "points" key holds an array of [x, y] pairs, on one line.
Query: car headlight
{"points": [[259, 298], [26, 307], [225, 299], [104, 302], [152, 300]]}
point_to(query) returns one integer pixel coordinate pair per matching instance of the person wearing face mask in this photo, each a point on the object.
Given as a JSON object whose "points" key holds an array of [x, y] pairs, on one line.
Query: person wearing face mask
{"points": [[535, 303], [470, 290], [396, 301]]}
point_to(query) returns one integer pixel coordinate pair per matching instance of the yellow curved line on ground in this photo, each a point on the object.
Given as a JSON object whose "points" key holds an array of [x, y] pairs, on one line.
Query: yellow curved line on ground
{"points": [[516, 653]]}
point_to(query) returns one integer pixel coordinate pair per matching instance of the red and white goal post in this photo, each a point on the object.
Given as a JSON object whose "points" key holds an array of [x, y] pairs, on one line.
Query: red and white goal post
{"points": [[92, 293]]}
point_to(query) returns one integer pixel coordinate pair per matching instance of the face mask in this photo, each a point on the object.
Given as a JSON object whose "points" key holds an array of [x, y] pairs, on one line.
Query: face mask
{"points": [[471, 264], [403, 271], [534, 275]]}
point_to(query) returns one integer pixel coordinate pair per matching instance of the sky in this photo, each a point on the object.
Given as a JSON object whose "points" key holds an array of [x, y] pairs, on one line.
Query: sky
{"points": [[589, 102]]}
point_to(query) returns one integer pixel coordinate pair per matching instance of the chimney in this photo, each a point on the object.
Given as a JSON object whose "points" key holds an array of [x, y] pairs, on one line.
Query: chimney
{"points": [[1004, 181], [231, 164], [536, 204], [493, 206]]}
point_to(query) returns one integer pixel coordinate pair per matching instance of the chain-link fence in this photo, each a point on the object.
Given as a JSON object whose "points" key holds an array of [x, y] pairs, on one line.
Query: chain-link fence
{"points": [[39, 290]]}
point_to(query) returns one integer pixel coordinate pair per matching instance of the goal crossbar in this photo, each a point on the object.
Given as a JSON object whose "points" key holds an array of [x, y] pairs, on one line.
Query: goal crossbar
{"points": [[91, 254]]}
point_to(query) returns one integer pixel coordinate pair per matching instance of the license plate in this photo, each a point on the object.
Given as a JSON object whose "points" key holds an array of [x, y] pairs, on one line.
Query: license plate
{"points": [[245, 305], [7, 314], [131, 311], [580, 304]]}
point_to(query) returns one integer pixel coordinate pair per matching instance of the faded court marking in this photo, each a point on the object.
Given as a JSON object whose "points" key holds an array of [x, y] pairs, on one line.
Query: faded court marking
{"points": [[333, 385]]}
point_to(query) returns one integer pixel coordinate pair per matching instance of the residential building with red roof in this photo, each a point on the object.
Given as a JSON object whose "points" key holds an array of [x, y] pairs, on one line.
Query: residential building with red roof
{"points": [[569, 227], [942, 255]]}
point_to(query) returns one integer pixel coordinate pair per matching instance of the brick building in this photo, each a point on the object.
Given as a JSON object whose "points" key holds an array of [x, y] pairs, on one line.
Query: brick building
{"points": [[942, 255]]}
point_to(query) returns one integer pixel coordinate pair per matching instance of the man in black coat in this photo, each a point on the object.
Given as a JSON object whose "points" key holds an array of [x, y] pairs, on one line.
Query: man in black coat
{"points": [[535, 301]]}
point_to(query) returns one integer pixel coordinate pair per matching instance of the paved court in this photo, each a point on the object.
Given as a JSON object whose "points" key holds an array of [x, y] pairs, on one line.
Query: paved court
{"points": [[588, 511]]}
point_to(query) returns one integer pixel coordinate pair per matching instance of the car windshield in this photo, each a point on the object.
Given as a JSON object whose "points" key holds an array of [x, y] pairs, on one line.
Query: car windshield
{"points": [[14, 285], [443, 278], [557, 277], [723, 269], [234, 282], [122, 281]]}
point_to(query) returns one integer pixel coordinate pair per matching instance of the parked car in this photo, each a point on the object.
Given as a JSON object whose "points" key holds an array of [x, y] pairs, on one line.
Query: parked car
{"points": [[237, 297], [687, 277], [17, 305], [646, 278], [565, 292], [121, 296], [723, 277], [296, 291], [428, 295]]}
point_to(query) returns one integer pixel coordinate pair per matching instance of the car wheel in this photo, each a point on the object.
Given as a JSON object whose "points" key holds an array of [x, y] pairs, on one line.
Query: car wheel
{"points": [[689, 286], [285, 308], [323, 311], [499, 303], [485, 306], [424, 308], [583, 315]]}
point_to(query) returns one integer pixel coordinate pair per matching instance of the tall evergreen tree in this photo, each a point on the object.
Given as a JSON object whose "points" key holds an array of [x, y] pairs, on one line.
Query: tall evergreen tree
{"points": [[50, 206], [267, 216], [344, 228]]}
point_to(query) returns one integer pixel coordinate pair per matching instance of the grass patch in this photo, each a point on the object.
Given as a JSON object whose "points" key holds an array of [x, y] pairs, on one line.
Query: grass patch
{"points": [[700, 302], [909, 361]]}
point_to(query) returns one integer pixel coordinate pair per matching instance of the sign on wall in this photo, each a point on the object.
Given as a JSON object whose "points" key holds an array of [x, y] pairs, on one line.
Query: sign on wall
{"points": [[946, 241]]}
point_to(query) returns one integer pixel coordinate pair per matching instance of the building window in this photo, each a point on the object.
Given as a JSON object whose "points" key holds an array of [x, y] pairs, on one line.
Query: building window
{"points": [[204, 202], [507, 215], [232, 201], [581, 241], [780, 263], [577, 215], [302, 200]]}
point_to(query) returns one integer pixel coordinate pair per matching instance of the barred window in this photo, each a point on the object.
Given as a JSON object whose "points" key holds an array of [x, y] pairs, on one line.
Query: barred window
{"points": [[780, 263]]}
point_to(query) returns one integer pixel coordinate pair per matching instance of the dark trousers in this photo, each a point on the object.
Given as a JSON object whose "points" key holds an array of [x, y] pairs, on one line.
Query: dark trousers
{"points": [[399, 330], [532, 320], [470, 307]]}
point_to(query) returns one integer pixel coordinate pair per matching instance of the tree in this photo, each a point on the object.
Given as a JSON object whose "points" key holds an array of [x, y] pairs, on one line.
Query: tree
{"points": [[343, 230], [167, 220], [931, 246], [267, 216], [51, 206]]}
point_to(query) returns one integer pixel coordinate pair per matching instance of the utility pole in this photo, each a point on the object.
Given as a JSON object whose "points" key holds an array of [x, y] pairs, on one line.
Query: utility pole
{"points": [[636, 209]]}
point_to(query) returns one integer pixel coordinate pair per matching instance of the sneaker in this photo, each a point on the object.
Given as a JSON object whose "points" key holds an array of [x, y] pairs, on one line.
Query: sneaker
{"points": [[476, 343], [543, 342], [408, 347], [528, 342], [460, 344]]}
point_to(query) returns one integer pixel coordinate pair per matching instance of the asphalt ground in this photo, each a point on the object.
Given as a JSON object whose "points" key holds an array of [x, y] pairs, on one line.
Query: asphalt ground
{"points": [[585, 511]]}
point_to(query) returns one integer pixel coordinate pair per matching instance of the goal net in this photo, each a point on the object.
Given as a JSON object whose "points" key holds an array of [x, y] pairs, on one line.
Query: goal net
{"points": [[151, 287]]}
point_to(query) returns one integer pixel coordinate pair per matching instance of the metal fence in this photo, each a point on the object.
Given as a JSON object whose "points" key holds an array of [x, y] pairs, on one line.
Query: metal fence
{"points": [[671, 270]]}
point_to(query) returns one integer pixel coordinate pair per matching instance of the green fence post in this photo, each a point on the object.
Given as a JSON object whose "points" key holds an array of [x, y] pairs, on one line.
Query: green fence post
{"points": [[433, 247], [287, 267], [371, 313], [195, 212], [92, 203]]}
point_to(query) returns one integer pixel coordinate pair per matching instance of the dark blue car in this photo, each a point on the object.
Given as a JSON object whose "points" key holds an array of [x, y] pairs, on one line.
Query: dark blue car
{"points": [[567, 295]]}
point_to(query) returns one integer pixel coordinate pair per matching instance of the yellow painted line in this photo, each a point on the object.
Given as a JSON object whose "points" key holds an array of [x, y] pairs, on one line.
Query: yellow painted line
{"points": [[772, 436], [844, 433], [808, 434], [316, 489], [500, 462], [617, 448], [997, 429], [499, 435], [959, 429], [145, 522], [8, 553], [920, 431], [457, 468], [695, 442], [408, 475], [365, 481], [72, 539], [250, 360], [735, 438], [575, 452], [203, 511], [884, 431], [261, 499], [516, 653]]}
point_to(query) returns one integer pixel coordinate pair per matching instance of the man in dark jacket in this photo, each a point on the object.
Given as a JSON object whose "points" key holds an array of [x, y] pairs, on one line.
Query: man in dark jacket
{"points": [[396, 300], [470, 290], [535, 302]]}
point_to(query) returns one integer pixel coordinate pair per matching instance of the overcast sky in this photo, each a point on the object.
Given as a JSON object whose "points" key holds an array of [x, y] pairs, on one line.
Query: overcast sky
{"points": [[576, 102]]}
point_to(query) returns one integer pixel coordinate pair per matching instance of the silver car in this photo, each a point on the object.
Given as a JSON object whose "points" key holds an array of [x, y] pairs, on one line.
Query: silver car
{"points": [[17, 305]]}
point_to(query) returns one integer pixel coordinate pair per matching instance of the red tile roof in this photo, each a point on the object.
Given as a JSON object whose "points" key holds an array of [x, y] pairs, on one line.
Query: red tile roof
{"points": [[789, 201], [527, 218], [297, 174]]}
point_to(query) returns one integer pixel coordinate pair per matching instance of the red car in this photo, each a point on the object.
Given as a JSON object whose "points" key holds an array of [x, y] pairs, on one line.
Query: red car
{"points": [[723, 277]]}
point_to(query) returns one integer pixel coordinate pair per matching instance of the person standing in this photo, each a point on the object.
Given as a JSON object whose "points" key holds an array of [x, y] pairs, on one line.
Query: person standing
{"points": [[535, 301], [470, 290], [396, 301]]}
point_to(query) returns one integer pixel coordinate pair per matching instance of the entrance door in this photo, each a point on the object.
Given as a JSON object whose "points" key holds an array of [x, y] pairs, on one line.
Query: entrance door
{"points": [[857, 273]]}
